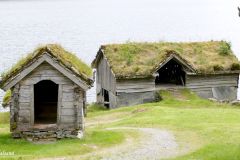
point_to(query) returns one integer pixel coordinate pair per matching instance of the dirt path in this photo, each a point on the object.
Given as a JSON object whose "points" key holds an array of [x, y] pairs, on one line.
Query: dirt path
{"points": [[154, 144]]}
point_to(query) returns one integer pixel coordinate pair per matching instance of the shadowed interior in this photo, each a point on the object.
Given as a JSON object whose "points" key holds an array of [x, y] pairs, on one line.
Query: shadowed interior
{"points": [[171, 73], [45, 102], [106, 98]]}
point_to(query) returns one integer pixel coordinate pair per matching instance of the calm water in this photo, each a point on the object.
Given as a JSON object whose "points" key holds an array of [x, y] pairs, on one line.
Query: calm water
{"points": [[81, 26]]}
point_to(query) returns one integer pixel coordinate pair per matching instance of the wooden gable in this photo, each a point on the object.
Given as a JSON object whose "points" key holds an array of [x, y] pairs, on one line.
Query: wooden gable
{"points": [[50, 60]]}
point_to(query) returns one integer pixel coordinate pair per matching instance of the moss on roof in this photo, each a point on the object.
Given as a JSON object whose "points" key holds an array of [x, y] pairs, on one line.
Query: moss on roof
{"points": [[133, 60], [69, 60]]}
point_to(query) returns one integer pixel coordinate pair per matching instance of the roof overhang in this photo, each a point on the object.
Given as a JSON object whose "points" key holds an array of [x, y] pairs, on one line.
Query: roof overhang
{"points": [[217, 73], [34, 64], [97, 58]]}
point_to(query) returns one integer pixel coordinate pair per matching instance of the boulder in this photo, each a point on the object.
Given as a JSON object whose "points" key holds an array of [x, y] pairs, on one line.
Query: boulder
{"points": [[235, 103]]}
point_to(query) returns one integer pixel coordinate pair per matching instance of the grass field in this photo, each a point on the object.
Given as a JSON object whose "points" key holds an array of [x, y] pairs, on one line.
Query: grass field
{"points": [[210, 129]]}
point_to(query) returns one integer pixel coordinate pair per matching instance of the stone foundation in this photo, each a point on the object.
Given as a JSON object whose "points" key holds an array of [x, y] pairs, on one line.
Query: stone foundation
{"points": [[47, 135]]}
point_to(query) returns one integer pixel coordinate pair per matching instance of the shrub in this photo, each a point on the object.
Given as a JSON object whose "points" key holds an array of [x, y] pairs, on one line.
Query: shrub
{"points": [[7, 98], [217, 68], [136, 69], [157, 96], [225, 48], [235, 66], [94, 107]]}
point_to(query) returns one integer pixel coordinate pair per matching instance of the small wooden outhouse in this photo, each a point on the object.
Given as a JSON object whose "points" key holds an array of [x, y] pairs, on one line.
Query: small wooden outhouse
{"points": [[48, 94]]}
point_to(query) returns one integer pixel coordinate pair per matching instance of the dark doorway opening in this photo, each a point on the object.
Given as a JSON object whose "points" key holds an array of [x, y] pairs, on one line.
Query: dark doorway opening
{"points": [[171, 73], [45, 102], [106, 98]]}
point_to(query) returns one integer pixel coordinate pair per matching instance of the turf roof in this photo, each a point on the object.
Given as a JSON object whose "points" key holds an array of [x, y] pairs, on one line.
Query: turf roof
{"points": [[69, 60], [140, 60]]}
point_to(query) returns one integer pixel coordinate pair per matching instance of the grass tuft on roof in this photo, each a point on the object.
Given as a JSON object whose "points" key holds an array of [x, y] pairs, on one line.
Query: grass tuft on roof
{"points": [[69, 60], [135, 60], [7, 98]]}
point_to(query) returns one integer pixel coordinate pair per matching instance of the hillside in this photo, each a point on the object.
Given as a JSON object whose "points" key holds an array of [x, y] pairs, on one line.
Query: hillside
{"points": [[190, 127]]}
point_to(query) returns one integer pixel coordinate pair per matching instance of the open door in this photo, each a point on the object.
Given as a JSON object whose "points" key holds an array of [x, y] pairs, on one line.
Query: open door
{"points": [[171, 73], [106, 98], [45, 102]]}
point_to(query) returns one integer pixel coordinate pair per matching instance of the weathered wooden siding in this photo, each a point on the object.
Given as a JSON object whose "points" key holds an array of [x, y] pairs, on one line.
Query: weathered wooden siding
{"points": [[67, 112], [134, 98], [71, 112], [45, 72], [138, 85], [105, 80], [222, 87], [14, 108], [132, 92], [70, 101], [24, 107]]}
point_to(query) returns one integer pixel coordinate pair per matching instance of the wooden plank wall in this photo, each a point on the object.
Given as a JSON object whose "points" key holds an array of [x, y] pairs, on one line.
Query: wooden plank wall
{"points": [[138, 85], [14, 108], [132, 92], [66, 108], [134, 98], [203, 85], [105, 80]]}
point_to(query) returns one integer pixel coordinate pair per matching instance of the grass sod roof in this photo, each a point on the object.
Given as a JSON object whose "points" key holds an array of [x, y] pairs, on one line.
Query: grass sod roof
{"points": [[69, 60], [140, 60]]}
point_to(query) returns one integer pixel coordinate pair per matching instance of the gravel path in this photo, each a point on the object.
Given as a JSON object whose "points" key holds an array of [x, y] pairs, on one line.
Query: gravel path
{"points": [[154, 144]]}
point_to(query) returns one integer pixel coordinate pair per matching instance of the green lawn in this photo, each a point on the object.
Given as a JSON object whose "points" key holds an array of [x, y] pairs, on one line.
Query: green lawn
{"points": [[67, 147], [211, 129]]}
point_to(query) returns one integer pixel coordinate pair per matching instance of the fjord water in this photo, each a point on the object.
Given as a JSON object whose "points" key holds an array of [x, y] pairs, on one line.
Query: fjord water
{"points": [[81, 26]]}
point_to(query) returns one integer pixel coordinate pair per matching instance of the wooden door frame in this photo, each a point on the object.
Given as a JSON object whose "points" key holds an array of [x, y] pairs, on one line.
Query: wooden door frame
{"points": [[59, 103]]}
